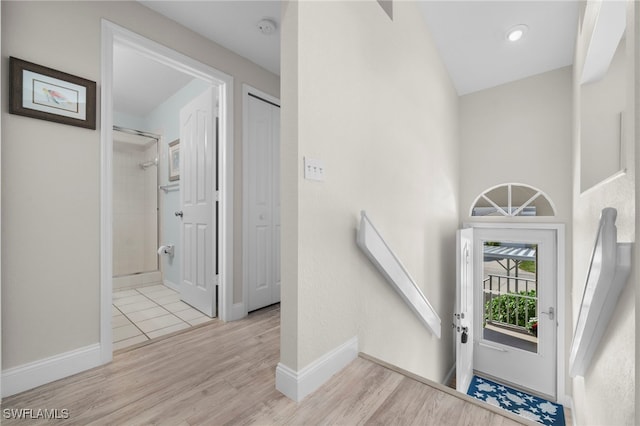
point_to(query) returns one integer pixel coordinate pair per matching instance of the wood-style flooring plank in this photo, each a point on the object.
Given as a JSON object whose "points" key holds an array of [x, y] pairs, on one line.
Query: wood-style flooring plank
{"points": [[224, 374]]}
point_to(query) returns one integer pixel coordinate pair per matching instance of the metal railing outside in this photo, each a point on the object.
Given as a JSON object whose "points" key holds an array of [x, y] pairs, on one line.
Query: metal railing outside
{"points": [[516, 288]]}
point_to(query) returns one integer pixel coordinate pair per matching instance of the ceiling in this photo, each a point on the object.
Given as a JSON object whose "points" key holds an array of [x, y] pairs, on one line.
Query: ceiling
{"points": [[230, 23], [470, 35], [471, 38], [141, 84]]}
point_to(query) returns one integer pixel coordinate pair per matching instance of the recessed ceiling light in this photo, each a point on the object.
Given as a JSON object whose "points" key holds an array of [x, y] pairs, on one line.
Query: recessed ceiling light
{"points": [[515, 33]]}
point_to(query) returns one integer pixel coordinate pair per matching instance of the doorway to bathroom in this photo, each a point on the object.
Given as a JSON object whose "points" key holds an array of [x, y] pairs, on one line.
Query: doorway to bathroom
{"points": [[166, 191], [157, 289]]}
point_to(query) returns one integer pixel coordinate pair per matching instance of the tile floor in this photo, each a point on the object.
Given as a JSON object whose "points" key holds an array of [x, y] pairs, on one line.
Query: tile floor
{"points": [[144, 313]]}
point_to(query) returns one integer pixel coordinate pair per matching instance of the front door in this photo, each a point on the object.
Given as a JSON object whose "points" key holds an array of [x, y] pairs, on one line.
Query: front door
{"points": [[463, 321], [515, 315], [198, 141]]}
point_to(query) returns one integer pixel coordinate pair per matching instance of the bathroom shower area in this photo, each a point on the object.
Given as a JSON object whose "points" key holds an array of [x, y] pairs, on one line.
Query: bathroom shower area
{"points": [[146, 301], [135, 209]]}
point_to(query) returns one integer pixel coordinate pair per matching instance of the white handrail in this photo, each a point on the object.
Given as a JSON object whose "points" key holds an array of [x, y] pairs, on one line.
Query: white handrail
{"points": [[608, 273], [381, 255]]}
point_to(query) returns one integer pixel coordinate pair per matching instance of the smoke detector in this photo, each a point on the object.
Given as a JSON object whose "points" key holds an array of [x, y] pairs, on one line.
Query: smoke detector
{"points": [[267, 26]]}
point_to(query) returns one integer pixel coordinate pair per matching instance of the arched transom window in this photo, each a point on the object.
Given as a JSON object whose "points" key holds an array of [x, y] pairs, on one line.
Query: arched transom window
{"points": [[512, 199]]}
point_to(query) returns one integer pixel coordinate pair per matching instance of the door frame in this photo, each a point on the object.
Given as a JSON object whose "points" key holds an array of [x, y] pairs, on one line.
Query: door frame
{"points": [[559, 230], [112, 33], [246, 91]]}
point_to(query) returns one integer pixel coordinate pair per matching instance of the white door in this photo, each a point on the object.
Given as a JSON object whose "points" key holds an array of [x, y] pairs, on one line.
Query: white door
{"points": [[463, 321], [264, 203], [515, 322], [198, 141]]}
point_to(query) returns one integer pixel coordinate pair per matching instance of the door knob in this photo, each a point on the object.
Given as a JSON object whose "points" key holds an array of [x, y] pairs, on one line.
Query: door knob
{"points": [[179, 213]]}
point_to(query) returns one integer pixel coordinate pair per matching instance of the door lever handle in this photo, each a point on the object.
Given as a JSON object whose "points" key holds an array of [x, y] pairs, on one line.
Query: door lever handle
{"points": [[550, 313], [179, 213]]}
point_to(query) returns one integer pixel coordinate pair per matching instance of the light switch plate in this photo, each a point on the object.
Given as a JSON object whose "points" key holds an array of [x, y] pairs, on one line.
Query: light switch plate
{"points": [[314, 169]]}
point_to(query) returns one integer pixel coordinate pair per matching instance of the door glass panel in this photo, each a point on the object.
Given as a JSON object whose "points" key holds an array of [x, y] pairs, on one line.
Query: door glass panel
{"points": [[509, 288]]}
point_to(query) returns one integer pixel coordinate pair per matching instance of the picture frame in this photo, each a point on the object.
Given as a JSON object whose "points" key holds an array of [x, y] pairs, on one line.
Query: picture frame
{"points": [[174, 160], [40, 92]]}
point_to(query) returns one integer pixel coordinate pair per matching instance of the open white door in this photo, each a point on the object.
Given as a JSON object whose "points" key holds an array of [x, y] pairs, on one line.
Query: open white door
{"points": [[463, 320], [198, 199]]}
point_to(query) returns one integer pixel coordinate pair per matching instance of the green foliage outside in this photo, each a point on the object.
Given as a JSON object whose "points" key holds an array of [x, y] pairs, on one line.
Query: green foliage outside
{"points": [[528, 265], [505, 307]]}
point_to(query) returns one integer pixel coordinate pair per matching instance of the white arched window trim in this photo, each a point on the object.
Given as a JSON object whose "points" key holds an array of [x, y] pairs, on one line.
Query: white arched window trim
{"points": [[510, 212]]}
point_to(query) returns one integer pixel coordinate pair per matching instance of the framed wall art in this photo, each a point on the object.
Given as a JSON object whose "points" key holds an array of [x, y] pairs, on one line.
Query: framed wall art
{"points": [[174, 160], [40, 92]]}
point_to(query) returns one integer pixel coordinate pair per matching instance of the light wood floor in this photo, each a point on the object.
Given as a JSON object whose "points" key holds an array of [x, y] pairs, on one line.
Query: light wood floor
{"points": [[223, 373]]}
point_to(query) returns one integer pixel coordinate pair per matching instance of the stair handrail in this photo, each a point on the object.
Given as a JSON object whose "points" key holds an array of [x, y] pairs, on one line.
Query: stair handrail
{"points": [[608, 273], [380, 254]]}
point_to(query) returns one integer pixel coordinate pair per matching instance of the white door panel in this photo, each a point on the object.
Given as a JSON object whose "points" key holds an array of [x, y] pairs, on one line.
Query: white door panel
{"points": [[463, 320], [264, 204], [197, 191]]}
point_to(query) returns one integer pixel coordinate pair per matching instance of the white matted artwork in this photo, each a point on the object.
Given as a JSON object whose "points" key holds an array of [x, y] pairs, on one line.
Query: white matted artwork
{"points": [[174, 160], [48, 94]]}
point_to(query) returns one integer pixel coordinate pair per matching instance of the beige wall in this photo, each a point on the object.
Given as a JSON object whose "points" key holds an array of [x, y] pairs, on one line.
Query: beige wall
{"points": [[51, 174], [371, 99], [518, 132], [605, 395]]}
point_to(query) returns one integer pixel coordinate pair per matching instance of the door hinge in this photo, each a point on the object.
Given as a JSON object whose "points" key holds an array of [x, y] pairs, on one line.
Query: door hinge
{"points": [[217, 195], [217, 280]]}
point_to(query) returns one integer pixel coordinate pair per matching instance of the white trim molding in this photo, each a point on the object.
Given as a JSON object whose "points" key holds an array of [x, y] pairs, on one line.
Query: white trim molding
{"points": [[298, 384], [511, 210], [37, 373], [112, 33]]}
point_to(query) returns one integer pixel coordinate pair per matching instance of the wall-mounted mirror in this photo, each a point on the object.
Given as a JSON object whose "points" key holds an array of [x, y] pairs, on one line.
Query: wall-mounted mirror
{"points": [[603, 94]]}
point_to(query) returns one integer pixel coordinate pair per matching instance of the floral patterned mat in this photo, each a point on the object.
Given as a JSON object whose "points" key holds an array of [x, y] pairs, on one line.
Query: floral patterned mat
{"points": [[531, 407]]}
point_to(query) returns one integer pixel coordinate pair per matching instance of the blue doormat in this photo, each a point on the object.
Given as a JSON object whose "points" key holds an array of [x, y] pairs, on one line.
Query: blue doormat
{"points": [[531, 407]]}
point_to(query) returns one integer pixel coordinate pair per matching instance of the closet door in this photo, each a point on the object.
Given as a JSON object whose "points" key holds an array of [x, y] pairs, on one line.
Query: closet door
{"points": [[263, 203]]}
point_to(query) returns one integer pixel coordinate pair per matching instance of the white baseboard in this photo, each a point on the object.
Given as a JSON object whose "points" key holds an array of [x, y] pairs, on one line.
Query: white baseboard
{"points": [[238, 311], [298, 384], [31, 375]]}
